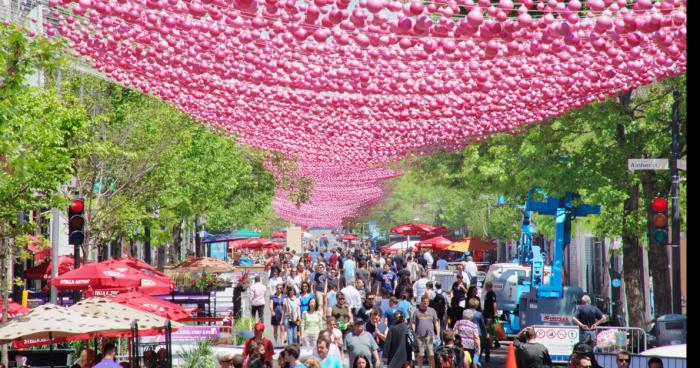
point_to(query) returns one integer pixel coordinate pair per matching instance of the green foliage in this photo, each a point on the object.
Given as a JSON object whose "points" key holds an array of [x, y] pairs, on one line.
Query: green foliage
{"points": [[200, 357]]}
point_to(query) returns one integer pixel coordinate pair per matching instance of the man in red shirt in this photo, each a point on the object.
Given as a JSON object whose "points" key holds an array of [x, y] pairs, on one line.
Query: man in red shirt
{"points": [[259, 339], [333, 260]]}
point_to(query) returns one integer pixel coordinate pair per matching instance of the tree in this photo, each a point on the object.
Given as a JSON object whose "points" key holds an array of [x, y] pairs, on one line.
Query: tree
{"points": [[584, 151], [39, 138]]}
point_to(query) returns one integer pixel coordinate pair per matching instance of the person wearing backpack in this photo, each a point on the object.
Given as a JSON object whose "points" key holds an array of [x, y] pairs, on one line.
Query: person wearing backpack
{"points": [[449, 355], [438, 302]]}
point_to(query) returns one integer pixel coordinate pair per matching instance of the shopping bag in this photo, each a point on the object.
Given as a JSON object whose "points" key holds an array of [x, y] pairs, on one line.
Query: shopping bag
{"points": [[499, 332]]}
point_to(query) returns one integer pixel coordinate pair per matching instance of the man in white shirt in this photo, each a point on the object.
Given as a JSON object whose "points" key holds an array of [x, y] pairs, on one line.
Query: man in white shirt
{"points": [[471, 270], [414, 268], [352, 296], [294, 260], [257, 297], [428, 259], [465, 276], [419, 287]]}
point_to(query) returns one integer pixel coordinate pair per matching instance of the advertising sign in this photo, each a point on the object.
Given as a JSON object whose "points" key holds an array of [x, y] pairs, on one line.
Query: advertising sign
{"points": [[187, 333]]}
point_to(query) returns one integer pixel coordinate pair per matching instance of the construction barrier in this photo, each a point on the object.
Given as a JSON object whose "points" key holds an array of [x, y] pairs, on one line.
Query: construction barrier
{"points": [[614, 339]]}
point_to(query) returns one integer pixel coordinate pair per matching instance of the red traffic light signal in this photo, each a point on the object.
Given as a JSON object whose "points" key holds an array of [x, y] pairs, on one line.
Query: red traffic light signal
{"points": [[659, 220], [76, 222], [659, 204]]}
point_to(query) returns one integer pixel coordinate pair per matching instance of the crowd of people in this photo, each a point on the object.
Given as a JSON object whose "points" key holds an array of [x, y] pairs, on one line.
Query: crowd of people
{"points": [[354, 305]]}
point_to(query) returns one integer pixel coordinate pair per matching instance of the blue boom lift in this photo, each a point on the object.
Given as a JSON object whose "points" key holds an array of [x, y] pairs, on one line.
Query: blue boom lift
{"points": [[540, 302]]}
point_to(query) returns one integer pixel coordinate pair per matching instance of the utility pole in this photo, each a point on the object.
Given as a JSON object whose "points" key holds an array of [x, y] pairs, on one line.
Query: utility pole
{"points": [[675, 220]]}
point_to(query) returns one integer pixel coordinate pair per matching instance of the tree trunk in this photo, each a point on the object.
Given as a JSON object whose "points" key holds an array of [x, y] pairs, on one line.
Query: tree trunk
{"points": [[659, 263], [175, 252], [631, 260]]}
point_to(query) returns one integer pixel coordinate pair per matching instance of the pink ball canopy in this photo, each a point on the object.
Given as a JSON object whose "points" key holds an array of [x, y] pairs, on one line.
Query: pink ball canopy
{"points": [[346, 87]]}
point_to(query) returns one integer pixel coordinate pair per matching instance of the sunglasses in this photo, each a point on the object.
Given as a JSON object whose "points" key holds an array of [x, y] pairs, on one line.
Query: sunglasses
{"points": [[624, 360]]}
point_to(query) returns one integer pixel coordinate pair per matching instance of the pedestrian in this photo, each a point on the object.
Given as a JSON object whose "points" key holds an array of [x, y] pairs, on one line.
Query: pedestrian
{"points": [[282, 360], [414, 268], [368, 305], [291, 354], [469, 334], [377, 328], [363, 273], [438, 302], [405, 306], [583, 361], [584, 349], [460, 270], [320, 285], [427, 326], [305, 297], [588, 317], [257, 293], [342, 314], [404, 287], [449, 355], [419, 286], [311, 320], [399, 261], [473, 293], [388, 279], [328, 348], [489, 310], [623, 359], [361, 342], [483, 331], [258, 340], [291, 315], [349, 268], [457, 299], [396, 349], [472, 270], [109, 353], [428, 259], [361, 361], [655, 362], [530, 353], [334, 334], [275, 279], [226, 360], [353, 297], [441, 263], [312, 362]]}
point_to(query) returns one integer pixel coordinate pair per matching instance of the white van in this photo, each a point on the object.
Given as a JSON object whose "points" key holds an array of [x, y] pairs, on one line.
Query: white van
{"points": [[505, 278]]}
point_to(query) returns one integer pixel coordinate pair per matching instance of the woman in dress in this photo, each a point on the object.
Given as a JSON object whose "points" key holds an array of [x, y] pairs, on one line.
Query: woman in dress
{"points": [[276, 311], [306, 296]]}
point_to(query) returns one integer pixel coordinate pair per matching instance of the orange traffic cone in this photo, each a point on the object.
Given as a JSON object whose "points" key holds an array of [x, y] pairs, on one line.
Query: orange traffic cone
{"points": [[510, 358]]}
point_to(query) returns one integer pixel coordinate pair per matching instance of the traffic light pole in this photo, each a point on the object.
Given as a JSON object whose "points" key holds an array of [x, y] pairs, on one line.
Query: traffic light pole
{"points": [[675, 219]]}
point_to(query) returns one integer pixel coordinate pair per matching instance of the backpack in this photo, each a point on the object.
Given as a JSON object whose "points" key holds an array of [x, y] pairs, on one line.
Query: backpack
{"points": [[446, 358], [439, 303]]}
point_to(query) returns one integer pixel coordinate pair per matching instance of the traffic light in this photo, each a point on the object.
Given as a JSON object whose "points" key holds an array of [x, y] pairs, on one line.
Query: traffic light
{"points": [[76, 222], [659, 220]]}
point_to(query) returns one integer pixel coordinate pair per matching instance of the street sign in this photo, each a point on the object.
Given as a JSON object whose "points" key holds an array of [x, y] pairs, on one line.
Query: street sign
{"points": [[680, 164], [647, 164], [559, 340]]}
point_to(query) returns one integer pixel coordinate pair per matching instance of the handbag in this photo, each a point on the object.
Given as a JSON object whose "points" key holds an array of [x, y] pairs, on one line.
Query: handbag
{"points": [[411, 339]]}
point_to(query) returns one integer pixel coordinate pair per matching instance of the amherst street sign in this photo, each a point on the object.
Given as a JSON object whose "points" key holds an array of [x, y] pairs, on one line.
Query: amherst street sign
{"points": [[647, 164]]}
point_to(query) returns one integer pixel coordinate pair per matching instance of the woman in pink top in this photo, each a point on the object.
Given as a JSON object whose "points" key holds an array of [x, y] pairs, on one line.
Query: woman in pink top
{"points": [[469, 333]]}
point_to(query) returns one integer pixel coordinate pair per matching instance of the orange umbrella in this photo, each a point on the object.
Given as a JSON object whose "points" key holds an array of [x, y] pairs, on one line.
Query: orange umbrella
{"points": [[471, 244]]}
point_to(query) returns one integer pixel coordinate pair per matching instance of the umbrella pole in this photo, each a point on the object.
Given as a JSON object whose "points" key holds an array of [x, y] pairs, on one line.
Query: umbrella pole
{"points": [[169, 342], [51, 347]]}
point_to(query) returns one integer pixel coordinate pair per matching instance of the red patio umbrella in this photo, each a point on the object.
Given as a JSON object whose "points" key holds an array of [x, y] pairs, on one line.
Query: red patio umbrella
{"points": [[436, 243], [438, 231], [114, 275], [43, 271], [349, 237], [256, 243], [153, 305], [14, 310], [279, 235], [408, 229], [141, 266]]}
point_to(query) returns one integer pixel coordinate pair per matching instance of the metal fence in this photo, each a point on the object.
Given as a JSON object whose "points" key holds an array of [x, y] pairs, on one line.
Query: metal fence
{"points": [[607, 360], [613, 339]]}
